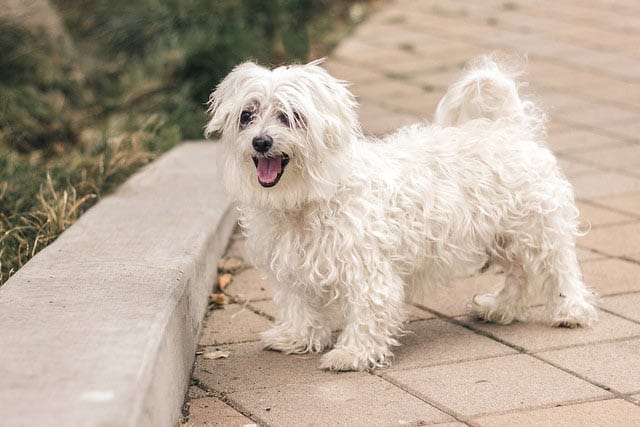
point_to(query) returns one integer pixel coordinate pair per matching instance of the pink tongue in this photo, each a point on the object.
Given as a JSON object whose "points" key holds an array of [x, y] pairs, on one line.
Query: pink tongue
{"points": [[269, 168]]}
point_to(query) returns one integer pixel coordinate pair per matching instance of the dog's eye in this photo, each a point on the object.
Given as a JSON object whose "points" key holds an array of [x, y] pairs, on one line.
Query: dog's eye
{"points": [[246, 117], [284, 119]]}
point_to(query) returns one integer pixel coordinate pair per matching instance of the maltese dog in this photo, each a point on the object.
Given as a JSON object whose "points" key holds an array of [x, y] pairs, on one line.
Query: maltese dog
{"points": [[348, 226]]}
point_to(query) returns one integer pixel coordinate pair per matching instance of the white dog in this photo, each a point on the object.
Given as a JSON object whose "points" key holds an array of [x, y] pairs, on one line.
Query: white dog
{"points": [[347, 226]]}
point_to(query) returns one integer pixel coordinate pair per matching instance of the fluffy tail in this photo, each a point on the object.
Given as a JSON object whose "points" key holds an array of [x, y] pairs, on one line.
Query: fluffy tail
{"points": [[487, 91]]}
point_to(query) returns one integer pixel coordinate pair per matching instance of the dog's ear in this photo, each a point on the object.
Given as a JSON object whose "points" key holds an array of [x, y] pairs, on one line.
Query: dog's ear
{"points": [[336, 104], [221, 100]]}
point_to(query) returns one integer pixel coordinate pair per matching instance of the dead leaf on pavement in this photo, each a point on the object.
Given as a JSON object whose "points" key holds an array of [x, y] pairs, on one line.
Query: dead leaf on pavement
{"points": [[224, 280], [212, 355], [219, 299]]}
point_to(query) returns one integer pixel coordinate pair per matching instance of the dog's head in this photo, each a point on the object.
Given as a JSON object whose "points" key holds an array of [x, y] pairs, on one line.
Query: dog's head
{"points": [[285, 133]]}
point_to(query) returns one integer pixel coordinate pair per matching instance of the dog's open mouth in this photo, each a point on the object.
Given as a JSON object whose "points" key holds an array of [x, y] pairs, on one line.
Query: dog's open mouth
{"points": [[270, 169]]}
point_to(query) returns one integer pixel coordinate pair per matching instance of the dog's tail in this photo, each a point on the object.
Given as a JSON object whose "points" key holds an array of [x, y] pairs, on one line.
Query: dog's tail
{"points": [[487, 91]]}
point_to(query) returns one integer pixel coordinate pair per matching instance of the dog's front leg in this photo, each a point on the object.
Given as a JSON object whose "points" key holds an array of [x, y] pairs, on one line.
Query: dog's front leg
{"points": [[300, 327], [375, 317]]}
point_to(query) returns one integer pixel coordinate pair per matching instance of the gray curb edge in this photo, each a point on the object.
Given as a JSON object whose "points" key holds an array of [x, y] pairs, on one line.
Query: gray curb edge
{"points": [[100, 328]]}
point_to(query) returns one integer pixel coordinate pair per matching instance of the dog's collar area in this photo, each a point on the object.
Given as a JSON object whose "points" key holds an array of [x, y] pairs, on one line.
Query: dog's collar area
{"points": [[270, 169]]}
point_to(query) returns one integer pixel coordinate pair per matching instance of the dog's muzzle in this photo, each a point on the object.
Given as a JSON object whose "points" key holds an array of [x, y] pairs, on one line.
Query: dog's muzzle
{"points": [[270, 169]]}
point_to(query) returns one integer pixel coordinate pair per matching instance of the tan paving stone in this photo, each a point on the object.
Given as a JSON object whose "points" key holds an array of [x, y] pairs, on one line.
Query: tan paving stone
{"points": [[617, 240], [572, 168], [619, 157], [635, 398], [379, 121], [585, 255], [604, 184], [498, 384], [627, 305], [601, 413], [555, 100], [611, 364], [233, 323], [351, 73], [210, 412], [629, 203], [414, 313], [599, 114], [339, 400], [629, 131], [611, 276], [580, 140], [250, 285], [266, 307], [537, 335], [434, 342], [452, 300], [593, 216], [422, 104], [248, 367]]}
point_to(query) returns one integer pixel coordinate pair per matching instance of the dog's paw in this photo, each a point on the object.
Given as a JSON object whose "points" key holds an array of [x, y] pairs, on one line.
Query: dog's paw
{"points": [[340, 359], [568, 315], [291, 341], [489, 308]]}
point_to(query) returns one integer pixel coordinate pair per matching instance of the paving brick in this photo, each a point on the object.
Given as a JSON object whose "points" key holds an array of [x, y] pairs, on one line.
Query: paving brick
{"points": [[378, 120], [629, 203], [625, 156], [498, 384], [611, 364], [604, 184], [210, 412], [234, 323], [596, 216], [572, 168], [453, 299], [627, 305], [248, 367], [555, 100], [599, 114], [601, 413], [585, 255], [536, 334], [413, 313], [434, 342], [339, 400], [266, 307], [250, 285], [635, 398], [629, 131], [580, 140], [617, 240], [612, 276]]}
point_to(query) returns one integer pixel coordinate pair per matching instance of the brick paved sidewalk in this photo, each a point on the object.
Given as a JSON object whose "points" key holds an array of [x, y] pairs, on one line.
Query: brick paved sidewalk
{"points": [[584, 65]]}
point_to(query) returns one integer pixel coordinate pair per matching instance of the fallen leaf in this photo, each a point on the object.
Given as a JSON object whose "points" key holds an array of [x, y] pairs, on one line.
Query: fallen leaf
{"points": [[230, 265], [219, 299], [224, 280], [212, 355]]}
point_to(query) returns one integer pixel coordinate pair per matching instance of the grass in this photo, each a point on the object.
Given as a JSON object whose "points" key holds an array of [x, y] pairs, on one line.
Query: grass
{"points": [[125, 82]]}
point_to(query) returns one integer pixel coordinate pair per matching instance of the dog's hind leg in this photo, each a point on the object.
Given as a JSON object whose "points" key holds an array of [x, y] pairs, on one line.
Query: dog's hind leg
{"points": [[569, 302]]}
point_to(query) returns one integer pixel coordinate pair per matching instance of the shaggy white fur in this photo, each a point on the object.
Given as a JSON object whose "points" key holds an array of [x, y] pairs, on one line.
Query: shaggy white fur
{"points": [[349, 226]]}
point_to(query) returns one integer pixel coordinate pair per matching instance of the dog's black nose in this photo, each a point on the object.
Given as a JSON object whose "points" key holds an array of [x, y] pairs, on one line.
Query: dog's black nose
{"points": [[262, 144]]}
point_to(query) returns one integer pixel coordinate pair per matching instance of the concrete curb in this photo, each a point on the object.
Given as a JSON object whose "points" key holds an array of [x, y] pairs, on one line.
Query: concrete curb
{"points": [[100, 328]]}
